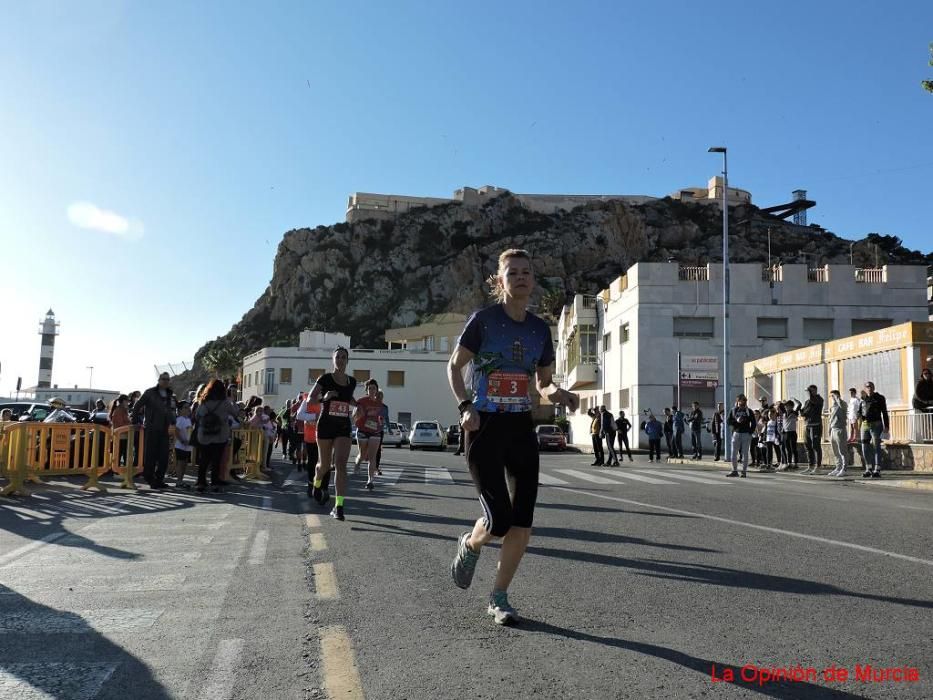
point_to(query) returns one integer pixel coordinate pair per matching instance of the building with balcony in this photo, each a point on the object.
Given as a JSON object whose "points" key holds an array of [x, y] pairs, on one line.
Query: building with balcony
{"points": [[653, 338]]}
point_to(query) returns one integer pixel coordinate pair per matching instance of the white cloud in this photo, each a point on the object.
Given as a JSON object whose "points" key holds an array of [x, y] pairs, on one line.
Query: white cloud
{"points": [[90, 216]]}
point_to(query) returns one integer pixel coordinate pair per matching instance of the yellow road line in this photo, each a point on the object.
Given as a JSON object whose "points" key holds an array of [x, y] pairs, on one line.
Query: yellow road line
{"points": [[313, 520], [341, 675], [316, 542], [325, 581]]}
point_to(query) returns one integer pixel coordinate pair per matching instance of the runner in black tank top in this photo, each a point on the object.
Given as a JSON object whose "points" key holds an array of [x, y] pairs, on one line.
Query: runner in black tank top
{"points": [[335, 392]]}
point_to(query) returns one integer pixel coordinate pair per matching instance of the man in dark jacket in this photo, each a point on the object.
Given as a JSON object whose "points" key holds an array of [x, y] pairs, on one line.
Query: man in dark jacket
{"points": [[157, 407], [715, 429], [742, 421], [696, 427], [668, 427], [812, 413], [608, 426], [875, 413]]}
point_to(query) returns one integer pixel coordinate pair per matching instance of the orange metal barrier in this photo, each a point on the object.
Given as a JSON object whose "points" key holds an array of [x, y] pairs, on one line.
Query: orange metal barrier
{"points": [[128, 443], [39, 450], [252, 453], [4, 456]]}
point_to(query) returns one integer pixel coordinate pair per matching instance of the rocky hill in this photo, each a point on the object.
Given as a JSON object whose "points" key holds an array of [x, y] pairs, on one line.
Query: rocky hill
{"points": [[364, 277]]}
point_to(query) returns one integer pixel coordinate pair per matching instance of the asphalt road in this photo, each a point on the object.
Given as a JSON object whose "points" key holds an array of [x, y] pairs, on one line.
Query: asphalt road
{"points": [[643, 581]]}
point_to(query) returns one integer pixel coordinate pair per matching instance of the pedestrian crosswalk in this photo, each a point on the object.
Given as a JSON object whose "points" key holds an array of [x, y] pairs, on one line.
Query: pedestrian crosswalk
{"points": [[436, 475]]}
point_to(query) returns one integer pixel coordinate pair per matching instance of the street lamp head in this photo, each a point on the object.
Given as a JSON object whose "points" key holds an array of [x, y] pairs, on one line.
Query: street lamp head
{"points": [[716, 149]]}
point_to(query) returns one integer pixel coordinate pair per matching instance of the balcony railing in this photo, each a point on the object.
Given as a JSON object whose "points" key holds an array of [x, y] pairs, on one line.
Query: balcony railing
{"points": [[773, 273], [693, 274], [818, 274], [870, 275], [589, 302]]}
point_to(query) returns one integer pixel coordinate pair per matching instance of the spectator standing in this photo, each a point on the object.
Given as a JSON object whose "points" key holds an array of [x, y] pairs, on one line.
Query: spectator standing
{"points": [[622, 427], [812, 413], [875, 414], [120, 418], [214, 416], [680, 424], [669, 432], [653, 429], [852, 413], [696, 430], [608, 432], [838, 419], [789, 423], [182, 442], [157, 406], [742, 421], [595, 430], [923, 392], [716, 426], [772, 439]]}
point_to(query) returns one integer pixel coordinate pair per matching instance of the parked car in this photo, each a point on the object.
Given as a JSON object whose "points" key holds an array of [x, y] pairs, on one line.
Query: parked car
{"points": [[37, 412], [551, 437], [425, 434], [18, 408], [453, 434], [392, 435]]}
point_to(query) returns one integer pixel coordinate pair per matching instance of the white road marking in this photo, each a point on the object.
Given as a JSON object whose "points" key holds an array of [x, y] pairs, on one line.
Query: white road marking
{"points": [[586, 476], [389, 476], [219, 684], [78, 681], [639, 477], [266, 502], [437, 476], [313, 520], [26, 548], [297, 477], [690, 477], [316, 542], [548, 480], [753, 526], [257, 554]]}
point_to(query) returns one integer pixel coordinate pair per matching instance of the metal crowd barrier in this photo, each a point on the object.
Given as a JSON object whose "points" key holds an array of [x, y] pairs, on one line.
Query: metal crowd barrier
{"points": [[252, 452], [36, 450], [30, 451]]}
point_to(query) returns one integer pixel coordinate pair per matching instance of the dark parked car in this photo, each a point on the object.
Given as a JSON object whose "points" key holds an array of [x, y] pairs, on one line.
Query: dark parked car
{"points": [[18, 408], [550, 437], [453, 435]]}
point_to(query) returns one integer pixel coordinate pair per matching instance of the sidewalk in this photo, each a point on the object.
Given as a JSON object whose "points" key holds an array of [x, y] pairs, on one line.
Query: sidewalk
{"points": [[905, 479]]}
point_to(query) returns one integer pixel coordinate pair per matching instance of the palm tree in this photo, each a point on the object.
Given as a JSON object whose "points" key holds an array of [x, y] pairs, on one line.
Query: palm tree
{"points": [[222, 361]]}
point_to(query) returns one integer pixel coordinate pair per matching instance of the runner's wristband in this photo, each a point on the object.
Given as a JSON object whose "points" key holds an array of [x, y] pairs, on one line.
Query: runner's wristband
{"points": [[464, 405]]}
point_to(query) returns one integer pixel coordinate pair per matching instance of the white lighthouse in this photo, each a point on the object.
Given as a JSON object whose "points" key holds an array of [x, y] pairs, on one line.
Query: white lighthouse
{"points": [[48, 330]]}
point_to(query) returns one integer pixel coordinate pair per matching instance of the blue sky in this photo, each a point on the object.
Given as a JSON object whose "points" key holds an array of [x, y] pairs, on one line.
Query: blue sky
{"points": [[153, 154]]}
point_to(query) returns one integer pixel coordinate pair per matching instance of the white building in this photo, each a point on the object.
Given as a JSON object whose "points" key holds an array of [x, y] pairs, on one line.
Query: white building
{"points": [[620, 348], [414, 381], [76, 397]]}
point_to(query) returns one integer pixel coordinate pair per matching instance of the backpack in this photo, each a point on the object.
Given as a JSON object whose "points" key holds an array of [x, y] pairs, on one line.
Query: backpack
{"points": [[211, 423]]}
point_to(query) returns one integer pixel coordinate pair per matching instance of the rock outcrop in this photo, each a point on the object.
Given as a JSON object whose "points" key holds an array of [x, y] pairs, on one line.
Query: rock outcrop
{"points": [[364, 277]]}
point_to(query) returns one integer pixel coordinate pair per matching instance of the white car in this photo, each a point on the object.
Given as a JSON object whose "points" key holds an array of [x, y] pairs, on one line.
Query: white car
{"points": [[392, 435], [427, 433]]}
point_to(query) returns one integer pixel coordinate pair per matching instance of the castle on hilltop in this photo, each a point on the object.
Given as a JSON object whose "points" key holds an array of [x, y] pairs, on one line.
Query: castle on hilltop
{"points": [[368, 205]]}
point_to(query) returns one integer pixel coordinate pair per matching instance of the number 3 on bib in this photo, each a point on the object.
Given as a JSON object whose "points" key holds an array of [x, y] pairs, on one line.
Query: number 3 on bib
{"points": [[507, 388]]}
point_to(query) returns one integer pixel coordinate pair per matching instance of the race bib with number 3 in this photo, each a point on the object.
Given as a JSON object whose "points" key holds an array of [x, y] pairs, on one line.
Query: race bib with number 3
{"points": [[506, 388]]}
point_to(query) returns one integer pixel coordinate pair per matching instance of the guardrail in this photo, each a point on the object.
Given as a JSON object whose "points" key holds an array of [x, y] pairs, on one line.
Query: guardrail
{"points": [[868, 275], [693, 274]]}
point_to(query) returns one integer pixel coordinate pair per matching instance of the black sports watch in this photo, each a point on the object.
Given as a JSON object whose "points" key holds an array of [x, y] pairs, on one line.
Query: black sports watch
{"points": [[464, 405]]}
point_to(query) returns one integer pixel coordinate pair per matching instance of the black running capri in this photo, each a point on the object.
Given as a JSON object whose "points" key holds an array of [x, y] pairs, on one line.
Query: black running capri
{"points": [[329, 428], [504, 447]]}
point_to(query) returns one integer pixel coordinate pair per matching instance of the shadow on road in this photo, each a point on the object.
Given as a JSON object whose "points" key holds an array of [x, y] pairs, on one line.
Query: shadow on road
{"points": [[100, 664], [693, 663]]}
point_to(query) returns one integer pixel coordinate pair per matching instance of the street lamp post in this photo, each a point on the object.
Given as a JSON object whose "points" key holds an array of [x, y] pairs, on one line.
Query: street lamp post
{"points": [[727, 448]]}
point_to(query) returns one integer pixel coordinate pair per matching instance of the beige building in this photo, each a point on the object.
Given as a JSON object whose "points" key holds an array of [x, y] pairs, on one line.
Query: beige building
{"points": [[438, 333]]}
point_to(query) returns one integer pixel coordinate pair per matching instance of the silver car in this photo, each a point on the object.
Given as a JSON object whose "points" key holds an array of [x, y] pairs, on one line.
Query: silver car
{"points": [[427, 434]]}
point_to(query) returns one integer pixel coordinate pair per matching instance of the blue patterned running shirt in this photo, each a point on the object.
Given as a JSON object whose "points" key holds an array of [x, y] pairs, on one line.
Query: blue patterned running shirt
{"points": [[506, 355]]}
